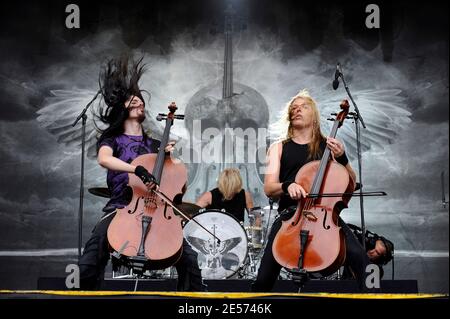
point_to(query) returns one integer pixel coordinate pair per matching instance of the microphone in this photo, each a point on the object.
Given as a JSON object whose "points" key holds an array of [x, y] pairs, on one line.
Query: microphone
{"points": [[337, 74]]}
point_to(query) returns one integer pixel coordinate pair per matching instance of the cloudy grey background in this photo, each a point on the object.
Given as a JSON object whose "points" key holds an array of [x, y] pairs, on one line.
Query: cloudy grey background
{"points": [[398, 75]]}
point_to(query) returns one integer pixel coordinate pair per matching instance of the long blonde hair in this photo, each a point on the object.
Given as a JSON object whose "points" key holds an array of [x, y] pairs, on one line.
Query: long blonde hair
{"points": [[229, 183], [282, 129]]}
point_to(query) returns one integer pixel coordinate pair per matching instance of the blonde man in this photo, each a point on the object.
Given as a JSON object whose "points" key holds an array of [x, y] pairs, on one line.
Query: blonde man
{"points": [[228, 195], [300, 141]]}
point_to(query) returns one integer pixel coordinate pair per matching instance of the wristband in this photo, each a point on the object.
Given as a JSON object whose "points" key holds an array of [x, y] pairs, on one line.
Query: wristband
{"points": [[285, 186], [343, 159], [144, 175]]}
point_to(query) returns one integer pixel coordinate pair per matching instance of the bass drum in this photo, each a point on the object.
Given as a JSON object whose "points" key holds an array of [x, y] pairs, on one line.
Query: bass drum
{"points": [[217, 261]]}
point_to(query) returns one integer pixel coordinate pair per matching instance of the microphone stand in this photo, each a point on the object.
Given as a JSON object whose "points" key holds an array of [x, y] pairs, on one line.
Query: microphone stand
{"points": [[357, 117], [82, 116]]}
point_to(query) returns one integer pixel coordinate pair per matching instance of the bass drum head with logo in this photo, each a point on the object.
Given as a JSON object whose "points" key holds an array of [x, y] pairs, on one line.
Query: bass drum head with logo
{"points": [[217, 260]]}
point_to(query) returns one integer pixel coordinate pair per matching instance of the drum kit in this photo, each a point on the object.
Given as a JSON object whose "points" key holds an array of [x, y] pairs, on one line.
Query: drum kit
{"points": [[237, 255], [241, 245]]}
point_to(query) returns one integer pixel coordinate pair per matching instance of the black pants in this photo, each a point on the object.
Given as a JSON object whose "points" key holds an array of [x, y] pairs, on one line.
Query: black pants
{"points": [[96, 255], [269, 269]]}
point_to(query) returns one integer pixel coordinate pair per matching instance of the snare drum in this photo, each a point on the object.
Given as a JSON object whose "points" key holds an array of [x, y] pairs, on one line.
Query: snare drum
{"points": [[217, 261]]}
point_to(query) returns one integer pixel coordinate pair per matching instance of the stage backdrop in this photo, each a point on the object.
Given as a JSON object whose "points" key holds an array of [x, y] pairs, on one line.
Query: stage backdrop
{"points": [[397, 73]]}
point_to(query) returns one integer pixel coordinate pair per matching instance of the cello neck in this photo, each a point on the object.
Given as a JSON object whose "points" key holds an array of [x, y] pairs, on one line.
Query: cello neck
{"points": [[158, 168], [323, 162], [317, 184]]}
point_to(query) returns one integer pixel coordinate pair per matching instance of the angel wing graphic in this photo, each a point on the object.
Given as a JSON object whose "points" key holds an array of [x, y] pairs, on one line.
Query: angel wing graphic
{"points": [[60, 111], [62, 108], [200, 244], [384, 114], [229, 244]]}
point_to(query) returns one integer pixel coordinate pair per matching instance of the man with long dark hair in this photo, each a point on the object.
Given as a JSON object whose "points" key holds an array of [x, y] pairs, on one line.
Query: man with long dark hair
{"points": [[120, 143]]}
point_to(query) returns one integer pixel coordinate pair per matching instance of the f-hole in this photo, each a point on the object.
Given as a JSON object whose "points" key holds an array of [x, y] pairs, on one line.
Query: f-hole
{"points": [[135, 206], [165, 212], [325, 219]]}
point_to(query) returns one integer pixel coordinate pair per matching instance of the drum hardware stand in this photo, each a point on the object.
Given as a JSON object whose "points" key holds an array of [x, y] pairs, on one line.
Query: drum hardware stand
{"points": [[82, 116], [338, 275], [172, 273], [242, 270], [241, 273], [249, 266], [251, 263], [271, 201]]}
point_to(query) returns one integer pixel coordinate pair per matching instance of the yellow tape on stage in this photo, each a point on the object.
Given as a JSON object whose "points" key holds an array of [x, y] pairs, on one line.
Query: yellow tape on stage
{"points": [[219, 295]]}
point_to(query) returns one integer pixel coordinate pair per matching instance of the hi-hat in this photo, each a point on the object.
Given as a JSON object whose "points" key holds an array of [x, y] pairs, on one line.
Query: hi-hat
{"points": [[189, 208], [100, 191]]}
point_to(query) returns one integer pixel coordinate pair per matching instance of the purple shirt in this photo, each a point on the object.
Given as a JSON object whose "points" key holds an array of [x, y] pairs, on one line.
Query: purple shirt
{"points": [[127, 148]]}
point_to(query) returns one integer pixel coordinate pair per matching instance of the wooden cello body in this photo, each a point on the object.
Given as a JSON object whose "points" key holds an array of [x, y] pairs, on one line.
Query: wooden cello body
{"points": [[311, 239]]}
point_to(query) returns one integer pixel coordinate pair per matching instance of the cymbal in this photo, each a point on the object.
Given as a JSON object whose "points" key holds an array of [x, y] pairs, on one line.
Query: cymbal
{"points": [[100, 191], [189, 208]]}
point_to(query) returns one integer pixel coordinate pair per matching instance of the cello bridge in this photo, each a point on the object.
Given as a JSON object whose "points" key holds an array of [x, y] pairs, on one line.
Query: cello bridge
{"points": [[310, 216], [150, 201]]}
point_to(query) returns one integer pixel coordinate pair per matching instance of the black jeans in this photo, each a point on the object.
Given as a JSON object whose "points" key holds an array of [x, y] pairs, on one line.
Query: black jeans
{"points": [[269, 269], [96, 255]]}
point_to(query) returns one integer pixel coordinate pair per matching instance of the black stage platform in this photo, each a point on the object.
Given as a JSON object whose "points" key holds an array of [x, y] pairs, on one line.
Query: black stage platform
{"points": [[238, 285]]}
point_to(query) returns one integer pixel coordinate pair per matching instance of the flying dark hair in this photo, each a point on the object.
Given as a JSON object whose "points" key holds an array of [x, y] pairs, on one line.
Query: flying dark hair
{"points": [[118, 82]]}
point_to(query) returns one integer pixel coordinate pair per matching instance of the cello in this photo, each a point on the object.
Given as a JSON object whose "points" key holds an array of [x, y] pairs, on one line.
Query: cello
{"points": [[147, 234], [311, 240]]}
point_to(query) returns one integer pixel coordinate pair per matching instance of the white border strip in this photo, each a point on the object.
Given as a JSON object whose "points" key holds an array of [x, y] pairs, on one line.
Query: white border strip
{"points": [[39, 252], [421, 253]]}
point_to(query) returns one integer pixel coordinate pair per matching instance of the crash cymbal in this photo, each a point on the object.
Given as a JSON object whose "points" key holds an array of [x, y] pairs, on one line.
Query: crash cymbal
{"points": [[189, 208], [100, 191]]}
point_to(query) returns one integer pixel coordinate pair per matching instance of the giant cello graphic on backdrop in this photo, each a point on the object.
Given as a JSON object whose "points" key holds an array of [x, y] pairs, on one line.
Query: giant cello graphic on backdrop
{"points": [[236, 116]]}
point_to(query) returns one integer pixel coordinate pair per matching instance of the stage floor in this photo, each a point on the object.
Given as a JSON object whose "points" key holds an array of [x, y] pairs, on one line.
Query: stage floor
{"points": [[23, 273]]}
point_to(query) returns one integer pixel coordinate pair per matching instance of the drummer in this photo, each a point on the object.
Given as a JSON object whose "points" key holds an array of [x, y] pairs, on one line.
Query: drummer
{"points": [[228, 195]]}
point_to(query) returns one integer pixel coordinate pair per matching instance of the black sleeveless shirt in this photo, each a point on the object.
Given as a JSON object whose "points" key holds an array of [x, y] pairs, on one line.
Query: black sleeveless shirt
{"points": [[293, 157], [235, 206]]}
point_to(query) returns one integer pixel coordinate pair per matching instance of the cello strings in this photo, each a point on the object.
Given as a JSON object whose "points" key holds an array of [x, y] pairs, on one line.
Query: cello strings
{"points": [[309, 201]]}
